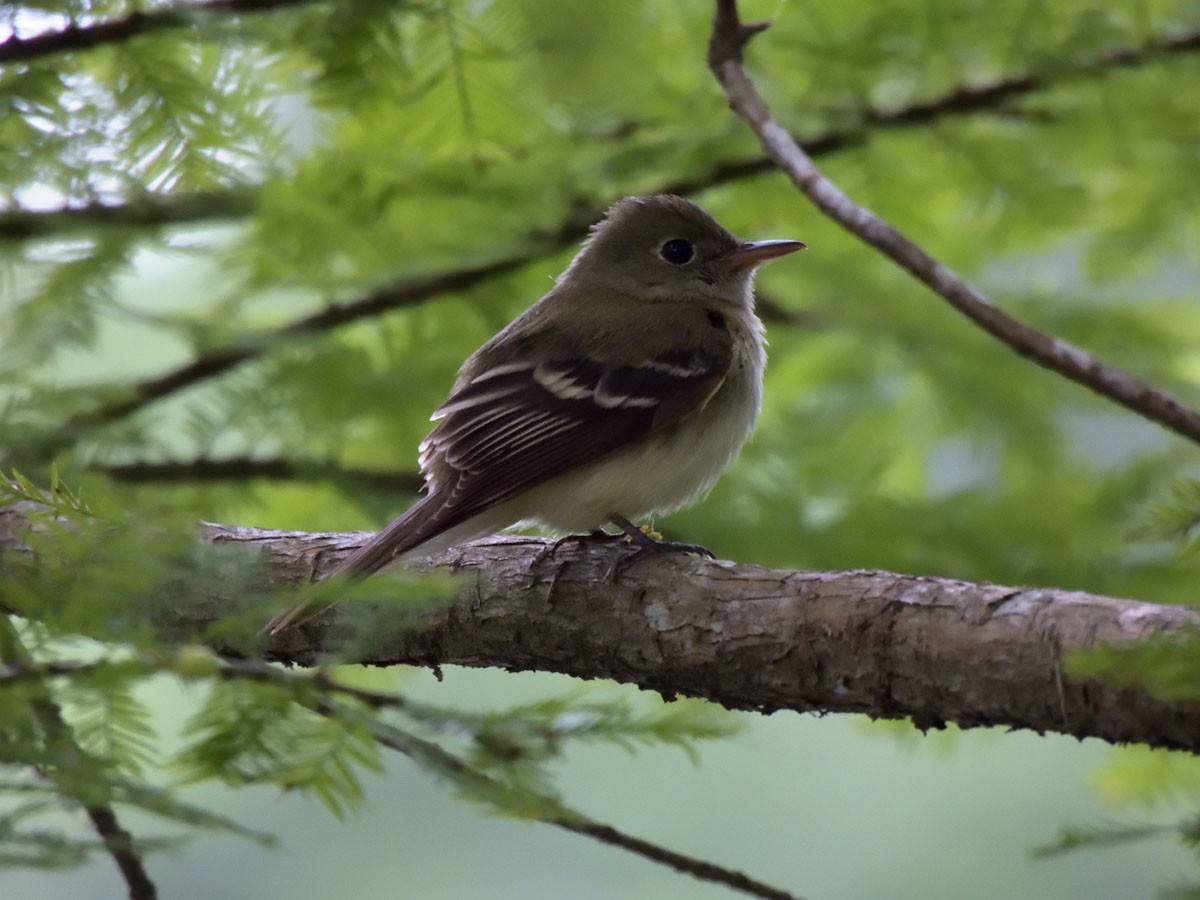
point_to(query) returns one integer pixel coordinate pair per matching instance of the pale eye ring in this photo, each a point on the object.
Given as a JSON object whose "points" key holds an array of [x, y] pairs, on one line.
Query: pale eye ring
{"points": [[677, 251]]}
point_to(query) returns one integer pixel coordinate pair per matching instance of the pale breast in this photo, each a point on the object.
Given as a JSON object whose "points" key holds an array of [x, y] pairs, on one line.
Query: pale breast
{"points": [[665, 471]]}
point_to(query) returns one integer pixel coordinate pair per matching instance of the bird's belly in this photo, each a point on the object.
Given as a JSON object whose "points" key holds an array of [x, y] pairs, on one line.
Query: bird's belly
{"points": [[658, 474]]}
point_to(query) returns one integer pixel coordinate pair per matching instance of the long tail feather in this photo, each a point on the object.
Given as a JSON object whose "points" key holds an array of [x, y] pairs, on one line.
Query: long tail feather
{"points": [[419, 523]]}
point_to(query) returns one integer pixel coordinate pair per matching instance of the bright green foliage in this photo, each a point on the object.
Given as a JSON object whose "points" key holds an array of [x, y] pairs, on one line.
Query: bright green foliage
{"points": [[1094, 836], [514, 745], [1147, 776], [110, 723], [1177, 518], [237, 174], [248, 733]]}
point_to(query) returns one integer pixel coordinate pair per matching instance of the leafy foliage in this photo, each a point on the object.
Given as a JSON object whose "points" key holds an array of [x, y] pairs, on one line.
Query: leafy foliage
{"points": [[247, 733], [378, 143], [1176, 518]]}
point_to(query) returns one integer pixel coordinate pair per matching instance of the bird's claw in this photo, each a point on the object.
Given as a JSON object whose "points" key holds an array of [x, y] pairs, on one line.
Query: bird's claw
{"points": [[645, 545]]}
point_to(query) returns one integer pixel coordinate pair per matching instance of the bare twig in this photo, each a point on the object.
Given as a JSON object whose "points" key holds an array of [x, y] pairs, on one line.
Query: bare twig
{"points": [[729, 37], [421, 751], [217, 362], [117, 840], [149, 211], [115, 31], [575, 822], [243, 468]]}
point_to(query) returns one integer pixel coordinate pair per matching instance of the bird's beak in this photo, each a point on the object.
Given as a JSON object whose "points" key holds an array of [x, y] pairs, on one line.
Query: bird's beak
{"points": [[755, 253]]}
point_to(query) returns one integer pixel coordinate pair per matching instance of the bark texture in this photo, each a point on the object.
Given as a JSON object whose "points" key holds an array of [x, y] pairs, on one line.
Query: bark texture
{"points": [[746, 637]]}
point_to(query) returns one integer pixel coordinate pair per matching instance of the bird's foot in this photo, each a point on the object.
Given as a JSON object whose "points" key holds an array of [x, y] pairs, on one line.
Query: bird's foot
{"points": [[646, 543], [551, 550]]}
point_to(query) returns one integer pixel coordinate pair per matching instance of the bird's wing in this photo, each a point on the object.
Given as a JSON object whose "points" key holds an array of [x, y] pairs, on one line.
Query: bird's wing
{"points": [[515, 425]]}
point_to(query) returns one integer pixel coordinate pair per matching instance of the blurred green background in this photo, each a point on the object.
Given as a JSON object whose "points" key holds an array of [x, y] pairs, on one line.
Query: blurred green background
{"points": [[826, 807], [266, 167]]}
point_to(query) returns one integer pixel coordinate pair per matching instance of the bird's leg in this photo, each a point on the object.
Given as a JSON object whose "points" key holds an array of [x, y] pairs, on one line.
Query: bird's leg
{"points": [[644, 545], [551, 549]]}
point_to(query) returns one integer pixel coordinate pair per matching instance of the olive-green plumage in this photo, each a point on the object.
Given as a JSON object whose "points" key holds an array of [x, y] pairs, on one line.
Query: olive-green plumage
{"points": [[627, 390]]}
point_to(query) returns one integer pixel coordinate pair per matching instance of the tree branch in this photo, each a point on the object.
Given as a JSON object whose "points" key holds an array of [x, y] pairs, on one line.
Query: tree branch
{"points": [[244, 468], [423, 752], [959, 101], [221, 360], [147, 211], [120, 847], [115, 31], [879, 643], [729, 37], [58, 733], [569, 820]]}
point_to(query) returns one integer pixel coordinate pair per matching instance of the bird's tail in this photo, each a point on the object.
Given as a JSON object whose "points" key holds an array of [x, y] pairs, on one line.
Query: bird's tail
{"points": [[422, 521], [425, 519]]}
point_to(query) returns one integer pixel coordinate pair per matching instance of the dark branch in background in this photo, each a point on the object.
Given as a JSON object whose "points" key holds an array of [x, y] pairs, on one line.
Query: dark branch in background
{"points": [[575, 822], [150, 211], [729, 37], [85, 37], [428, 753], [120, 847], [217, 362], [957, 102], [61, 742], [243, 468], [989, 97]]}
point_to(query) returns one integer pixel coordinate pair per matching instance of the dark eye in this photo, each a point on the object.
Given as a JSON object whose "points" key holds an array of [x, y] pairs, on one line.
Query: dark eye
{"points": [[677, 251]]}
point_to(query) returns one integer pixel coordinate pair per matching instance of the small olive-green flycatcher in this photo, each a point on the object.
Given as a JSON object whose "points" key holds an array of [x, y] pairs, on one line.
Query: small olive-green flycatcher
{"points": [[625, 391]]}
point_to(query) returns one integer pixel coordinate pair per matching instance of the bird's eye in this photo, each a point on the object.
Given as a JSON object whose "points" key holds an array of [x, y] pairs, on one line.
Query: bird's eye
{"points": [[677, 251]]}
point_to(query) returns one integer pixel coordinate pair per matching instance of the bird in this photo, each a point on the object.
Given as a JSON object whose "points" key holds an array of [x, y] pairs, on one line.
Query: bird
{"points": [[625, 391]]}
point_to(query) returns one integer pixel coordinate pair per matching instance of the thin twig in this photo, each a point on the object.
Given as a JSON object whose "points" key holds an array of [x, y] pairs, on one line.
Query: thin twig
{"points": [[422, 751], [148, 211], [221, 360], [114, 31], [575, 822], [244, 468], [117, 840], [120, 846], [729, 37]]}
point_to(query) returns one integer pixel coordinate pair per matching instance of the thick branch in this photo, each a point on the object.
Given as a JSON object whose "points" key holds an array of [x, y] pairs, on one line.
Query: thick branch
{"points": [[725, 59], [115, 31], [878, 643]]}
